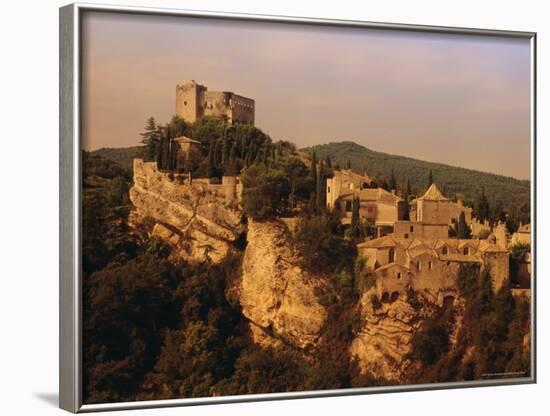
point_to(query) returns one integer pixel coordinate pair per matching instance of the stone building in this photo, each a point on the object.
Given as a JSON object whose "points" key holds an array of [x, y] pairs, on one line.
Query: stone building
{"points": [[522, 235], [194, 101], [429, 266], [434, 208], [187, 145], [376, 205], [343, 182]]}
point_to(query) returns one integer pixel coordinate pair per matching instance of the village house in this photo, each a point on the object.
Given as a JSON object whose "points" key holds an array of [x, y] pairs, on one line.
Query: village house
{"points": [[429, 266], [434, 208], [378, 207]]}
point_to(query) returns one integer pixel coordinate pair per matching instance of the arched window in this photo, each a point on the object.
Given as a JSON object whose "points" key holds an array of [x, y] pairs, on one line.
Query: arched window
{"points": [[466, 251]]}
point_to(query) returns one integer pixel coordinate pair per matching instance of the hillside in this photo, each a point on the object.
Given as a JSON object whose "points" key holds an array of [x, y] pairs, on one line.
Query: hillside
{"points": [[121, 155], [504, 192]]}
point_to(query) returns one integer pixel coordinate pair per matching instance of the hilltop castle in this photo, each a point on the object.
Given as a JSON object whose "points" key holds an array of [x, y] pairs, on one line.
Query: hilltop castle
{"points": [[194, 101]]}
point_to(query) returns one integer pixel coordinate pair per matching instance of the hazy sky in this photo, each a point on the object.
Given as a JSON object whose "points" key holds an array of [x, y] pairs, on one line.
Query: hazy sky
{"points": [[456, 99]]}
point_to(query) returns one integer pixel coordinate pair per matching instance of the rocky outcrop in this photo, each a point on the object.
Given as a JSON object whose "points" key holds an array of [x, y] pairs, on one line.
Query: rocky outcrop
{"points": [[192, 218], [276, 294], [382, 344]]}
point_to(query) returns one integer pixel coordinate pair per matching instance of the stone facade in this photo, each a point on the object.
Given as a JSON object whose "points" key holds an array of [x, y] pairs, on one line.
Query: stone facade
{"points": [[194, 101], [434, 208], [376, 205], [345, 181], [429, 266], [522, 235]]}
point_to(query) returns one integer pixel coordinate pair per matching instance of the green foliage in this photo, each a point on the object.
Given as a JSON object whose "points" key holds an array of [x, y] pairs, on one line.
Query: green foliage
{"points": [[482, 208], [355, 229], [265, 192], [322, 247], [491, 339], [432, 340], [150, 138], [462, 229], [455, 180], [517, 254]]}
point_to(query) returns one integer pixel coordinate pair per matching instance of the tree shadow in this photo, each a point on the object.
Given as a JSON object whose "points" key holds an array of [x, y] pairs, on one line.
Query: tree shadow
{"points": [[50, 398]]}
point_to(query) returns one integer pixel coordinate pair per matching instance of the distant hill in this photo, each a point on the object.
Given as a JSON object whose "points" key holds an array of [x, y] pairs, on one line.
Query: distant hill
{"points": [[503, 192], [121, 155]]}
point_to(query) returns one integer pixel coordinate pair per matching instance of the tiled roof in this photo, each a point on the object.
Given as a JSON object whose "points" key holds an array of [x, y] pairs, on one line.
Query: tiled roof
{"points": [[461, 258], [185, 139], [433, 194]]}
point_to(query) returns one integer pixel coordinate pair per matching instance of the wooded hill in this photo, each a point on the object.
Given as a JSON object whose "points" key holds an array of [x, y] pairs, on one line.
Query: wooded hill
{"points": [[504, 193]]}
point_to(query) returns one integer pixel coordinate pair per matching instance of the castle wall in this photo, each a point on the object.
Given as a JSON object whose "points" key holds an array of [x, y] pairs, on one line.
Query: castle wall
{"points": [[229, 191], [190, 101]]}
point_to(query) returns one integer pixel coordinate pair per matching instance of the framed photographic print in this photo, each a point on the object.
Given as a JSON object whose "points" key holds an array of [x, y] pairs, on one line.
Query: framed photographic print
{"points": [[259, 207]]}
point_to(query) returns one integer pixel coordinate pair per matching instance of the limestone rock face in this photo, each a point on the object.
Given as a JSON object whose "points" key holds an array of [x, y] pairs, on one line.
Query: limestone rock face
{"points": [[191, 217], [275, 293], [385, 339]]}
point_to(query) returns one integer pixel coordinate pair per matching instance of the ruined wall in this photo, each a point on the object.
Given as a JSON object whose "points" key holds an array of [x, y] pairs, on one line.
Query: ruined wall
{"points": [[233, 107], [195, 216]]}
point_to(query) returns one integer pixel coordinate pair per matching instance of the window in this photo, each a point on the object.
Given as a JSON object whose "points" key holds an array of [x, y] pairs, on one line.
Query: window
{"points": [[412, 229], [445, 251], [328, 189], [399, 275], [466, 251], [185, 103], [391, 255], [406, 236], [429, 265], [453, 220], [348, 206]]}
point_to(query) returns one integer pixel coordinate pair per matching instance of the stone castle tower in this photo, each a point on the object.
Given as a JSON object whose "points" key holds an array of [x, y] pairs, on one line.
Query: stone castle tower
{"points": [[194, 101]]}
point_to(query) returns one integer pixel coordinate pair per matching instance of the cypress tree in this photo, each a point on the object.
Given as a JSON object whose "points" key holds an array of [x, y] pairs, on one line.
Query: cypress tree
{"points": [[392, 185], [210, 169], [321, 195], [348, 165], [355, 219], [462, 229], [483, 209], [406, 195], [328, 162], [430, 178], [313, 171]]}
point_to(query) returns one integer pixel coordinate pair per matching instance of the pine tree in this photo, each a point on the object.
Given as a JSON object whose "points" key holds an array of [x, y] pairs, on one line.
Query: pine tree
{"points": [[150, 139]]}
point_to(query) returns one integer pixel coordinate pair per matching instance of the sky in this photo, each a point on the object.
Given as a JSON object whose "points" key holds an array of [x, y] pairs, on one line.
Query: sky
{"points": [[463, 100]]}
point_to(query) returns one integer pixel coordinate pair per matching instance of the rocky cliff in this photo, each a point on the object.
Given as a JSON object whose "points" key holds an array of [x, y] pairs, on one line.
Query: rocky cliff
{"points": [[191, 217], [384, 341], [276, 294]]}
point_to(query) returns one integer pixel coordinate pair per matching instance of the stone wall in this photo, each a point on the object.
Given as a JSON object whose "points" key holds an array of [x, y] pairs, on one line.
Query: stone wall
{"points": [[195, 216]]}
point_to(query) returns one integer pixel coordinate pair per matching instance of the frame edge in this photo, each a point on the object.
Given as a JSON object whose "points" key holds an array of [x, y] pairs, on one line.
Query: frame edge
{"points": [[68, 312]]}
